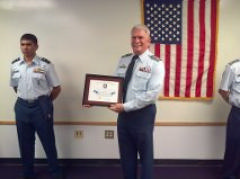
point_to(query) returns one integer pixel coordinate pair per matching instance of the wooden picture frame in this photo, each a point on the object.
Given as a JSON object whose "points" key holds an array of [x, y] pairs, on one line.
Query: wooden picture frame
{"points": [[102, 90]]}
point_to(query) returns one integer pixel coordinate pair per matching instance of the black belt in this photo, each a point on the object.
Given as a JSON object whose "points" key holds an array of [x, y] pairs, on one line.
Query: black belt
{"points": [[29, 101]]}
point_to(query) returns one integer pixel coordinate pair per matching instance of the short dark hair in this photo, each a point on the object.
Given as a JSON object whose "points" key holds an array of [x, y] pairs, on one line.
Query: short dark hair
{"points": [[31, 37]]}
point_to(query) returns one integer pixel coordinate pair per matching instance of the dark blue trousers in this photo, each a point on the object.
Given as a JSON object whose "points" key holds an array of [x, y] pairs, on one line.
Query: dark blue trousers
{"points": [[231, 163], [135, 136], [31, 117]]}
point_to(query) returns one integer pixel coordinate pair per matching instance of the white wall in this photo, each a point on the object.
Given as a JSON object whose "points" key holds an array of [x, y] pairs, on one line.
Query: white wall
{"points": [[88, 37], [169, 143], [82, 37]]}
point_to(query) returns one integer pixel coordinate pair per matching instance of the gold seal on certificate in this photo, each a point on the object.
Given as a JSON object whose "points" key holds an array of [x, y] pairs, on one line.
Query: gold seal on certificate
{"points": [[102, 90]]}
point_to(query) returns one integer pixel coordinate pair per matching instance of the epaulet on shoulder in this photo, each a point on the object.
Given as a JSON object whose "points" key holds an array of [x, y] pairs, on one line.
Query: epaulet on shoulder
{"points": [[234, 61], [45, 60], [16, 60], [126, 55], [153, 57]]}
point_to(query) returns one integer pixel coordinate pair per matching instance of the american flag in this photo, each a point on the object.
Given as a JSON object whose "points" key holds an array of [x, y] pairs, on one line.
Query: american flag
{"points": [[184, 34]]}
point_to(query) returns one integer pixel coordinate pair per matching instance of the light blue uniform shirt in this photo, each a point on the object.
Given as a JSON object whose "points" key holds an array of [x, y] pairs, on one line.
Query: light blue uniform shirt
{"points": [[231, 82], [146, 81], [33, 80]]}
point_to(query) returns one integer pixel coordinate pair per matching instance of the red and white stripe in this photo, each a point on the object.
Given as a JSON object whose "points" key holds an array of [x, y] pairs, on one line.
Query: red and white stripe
{"points": [[190, 65]]}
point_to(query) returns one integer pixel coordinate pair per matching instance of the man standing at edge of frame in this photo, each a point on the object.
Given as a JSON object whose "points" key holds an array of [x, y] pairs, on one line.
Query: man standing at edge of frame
{"points": [[230, 92], [36, 83]]}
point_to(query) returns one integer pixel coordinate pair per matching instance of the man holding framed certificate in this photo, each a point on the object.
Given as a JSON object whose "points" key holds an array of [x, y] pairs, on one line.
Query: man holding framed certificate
{"points": [[143, 75]]}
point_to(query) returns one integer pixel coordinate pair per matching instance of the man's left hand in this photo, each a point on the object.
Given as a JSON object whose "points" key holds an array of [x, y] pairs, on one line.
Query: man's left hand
{"points": [[117, 107]]}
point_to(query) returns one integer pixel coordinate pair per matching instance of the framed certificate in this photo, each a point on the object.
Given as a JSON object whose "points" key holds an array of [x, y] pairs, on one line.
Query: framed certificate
{"points": [[102, 90]]}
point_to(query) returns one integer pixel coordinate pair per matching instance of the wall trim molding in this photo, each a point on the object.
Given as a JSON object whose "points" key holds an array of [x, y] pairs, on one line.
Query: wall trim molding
{"points": [[96, 123], [103, 162]]}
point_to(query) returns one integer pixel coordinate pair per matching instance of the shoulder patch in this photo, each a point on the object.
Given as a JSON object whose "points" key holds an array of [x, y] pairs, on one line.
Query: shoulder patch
{"points": [[126, 55], [234, 61], [16, 60], [45, 60], [153, 57]]}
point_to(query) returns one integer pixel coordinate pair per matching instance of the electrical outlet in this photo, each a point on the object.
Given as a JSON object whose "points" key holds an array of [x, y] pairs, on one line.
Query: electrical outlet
{"points": [[78, 134], [109, 134]]}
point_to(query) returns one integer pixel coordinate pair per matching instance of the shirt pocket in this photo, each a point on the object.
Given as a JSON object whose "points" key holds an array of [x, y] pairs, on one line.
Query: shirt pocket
{"points": [[121, 72], [16, 75], [237, 79], [141, 80], [15, 78], [236, 84], [39, 79]]}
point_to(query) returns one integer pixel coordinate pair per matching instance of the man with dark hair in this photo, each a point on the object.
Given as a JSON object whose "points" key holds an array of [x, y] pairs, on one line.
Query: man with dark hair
{"points": [[31, 37], [143, 75], [36, 83]]}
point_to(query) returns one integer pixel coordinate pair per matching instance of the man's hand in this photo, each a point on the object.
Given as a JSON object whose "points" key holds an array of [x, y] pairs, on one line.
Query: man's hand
{"points": [[224, 94], [117, 107], [87, 105], [55, 92]]}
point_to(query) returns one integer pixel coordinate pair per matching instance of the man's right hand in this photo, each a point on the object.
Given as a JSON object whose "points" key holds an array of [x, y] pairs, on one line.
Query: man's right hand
{"points": [[224, 94], [87, 105]]}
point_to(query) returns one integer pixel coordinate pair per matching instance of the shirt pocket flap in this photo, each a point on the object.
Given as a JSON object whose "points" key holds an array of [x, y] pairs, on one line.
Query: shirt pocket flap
{"points": [[38, 75], [144, 75], [16, 75]]}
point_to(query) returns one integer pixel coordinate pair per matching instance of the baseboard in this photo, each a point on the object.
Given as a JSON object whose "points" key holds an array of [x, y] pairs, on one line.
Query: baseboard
{"points": [[104, 162]]}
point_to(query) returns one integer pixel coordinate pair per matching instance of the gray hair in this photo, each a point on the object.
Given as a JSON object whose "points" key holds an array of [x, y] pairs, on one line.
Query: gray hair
{"points": [[141, 27]]}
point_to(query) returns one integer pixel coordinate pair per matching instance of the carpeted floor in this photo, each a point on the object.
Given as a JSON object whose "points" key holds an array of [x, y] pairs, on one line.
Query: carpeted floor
{"points": [[114, 172]]}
